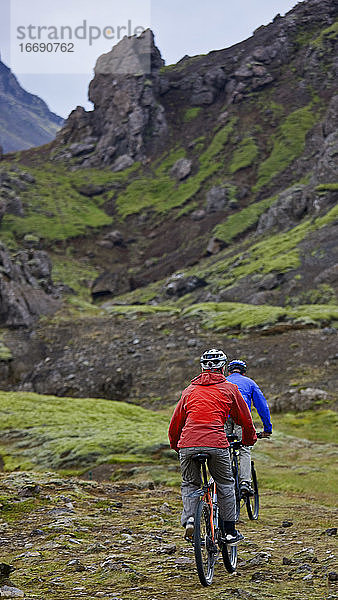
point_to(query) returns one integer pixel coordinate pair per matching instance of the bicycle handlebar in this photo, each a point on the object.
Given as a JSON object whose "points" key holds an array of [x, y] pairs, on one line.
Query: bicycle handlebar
{"points": [[233, 439]]}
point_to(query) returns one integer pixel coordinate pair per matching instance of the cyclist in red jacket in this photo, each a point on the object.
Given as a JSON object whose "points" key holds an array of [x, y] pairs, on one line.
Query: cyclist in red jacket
{"points": [[197, 425]]}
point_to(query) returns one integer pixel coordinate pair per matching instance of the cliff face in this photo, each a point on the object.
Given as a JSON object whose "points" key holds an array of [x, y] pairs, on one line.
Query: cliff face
{"points": [[127, 117], [25, 119], [134, 116]]}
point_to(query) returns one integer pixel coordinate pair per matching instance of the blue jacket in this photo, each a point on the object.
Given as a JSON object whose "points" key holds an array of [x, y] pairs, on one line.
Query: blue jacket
{"points": [[251, 393]]}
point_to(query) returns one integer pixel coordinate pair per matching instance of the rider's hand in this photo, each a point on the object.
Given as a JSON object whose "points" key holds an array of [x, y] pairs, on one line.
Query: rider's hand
{"points": [[265, 434]]}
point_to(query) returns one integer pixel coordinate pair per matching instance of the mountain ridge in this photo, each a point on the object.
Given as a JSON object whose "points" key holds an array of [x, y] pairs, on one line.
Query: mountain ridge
{"points": [[26, 120]]}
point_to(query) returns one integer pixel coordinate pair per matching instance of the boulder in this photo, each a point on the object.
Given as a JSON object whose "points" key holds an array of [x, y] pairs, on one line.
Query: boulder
{"points": [[329, 275], [123, 162], [113, 238], [26, 288], [181, 169], [110, 284], [214, 246], [325, 170], [298, 400], [79, 149], [89, 189], [217, 198], [289, 208], [179, 285]]}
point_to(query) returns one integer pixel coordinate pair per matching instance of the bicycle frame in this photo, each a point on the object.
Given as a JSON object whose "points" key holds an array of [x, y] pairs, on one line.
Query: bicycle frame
{"points": [[209, 495], [209, 544]]}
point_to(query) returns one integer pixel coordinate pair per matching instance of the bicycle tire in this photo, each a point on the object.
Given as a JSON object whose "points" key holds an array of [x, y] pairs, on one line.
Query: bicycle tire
{"points": [[204, 547], [235, 475], [252, 502], [229, 555]]}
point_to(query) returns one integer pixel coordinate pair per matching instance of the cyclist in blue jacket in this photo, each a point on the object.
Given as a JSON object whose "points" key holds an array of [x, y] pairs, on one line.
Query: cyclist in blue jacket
{"points": [[252, 395]]}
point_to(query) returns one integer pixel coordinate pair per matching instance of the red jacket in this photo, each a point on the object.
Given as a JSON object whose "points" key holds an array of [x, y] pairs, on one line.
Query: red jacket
{"points": [[200, 414]]}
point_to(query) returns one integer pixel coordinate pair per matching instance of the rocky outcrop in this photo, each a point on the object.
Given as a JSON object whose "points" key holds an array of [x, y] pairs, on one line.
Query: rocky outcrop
{"points": [[11, 183], [26, 287], [134, 97], [181, 169], [286, 211], [178, 285], [127, 115], [300, 399]]}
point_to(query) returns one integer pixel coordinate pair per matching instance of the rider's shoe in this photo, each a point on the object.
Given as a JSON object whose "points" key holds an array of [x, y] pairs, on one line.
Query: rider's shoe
{"points": [[189, 529], [233, 540], [245, 489]]}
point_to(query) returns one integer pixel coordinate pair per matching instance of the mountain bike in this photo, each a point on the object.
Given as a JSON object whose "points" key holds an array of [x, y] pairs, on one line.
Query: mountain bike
{"points": [[207, 540], [251, 502]]}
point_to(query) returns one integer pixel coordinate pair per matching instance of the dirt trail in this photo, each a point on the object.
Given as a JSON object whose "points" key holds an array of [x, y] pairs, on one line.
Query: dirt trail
{"points": [[72, 539]]}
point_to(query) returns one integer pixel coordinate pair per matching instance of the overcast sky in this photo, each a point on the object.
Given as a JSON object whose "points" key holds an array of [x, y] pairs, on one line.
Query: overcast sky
{"points": [[180, 26]]}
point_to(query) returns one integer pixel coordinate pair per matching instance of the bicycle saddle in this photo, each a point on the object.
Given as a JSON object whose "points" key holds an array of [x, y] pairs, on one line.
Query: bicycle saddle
{"points": [[201, 456]]}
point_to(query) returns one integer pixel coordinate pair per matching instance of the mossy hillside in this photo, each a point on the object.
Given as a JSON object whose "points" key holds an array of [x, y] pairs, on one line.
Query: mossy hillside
{"points": [[288, 144], [191, 113], [73, 273], [278, 252], [327, 187], [53, 432], [145, 309], [222, 316], [242, 220], [244, 155], [55, 209], [330, 33], [162, 193]]}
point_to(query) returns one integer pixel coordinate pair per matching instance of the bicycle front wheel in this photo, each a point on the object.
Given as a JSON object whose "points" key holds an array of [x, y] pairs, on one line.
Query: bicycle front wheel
{"points": [[229, 555], [252, 502], [205, 549]]}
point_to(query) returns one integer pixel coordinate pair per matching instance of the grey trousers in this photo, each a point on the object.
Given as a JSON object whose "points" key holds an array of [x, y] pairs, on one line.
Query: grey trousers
{"points": [[220, 468], [244, 451]]}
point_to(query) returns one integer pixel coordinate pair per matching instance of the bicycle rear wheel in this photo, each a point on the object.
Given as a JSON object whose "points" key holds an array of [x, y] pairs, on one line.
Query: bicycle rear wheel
{"points": [[252, 502], [205, 549], [229, 555]]}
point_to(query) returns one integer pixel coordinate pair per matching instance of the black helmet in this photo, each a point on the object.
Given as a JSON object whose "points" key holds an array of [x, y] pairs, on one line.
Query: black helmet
{"points": [[213, 359], [237, 365]]}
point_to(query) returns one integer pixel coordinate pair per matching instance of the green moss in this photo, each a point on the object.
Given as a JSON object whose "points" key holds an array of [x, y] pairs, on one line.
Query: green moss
{"points": [[242, 220], [191, 113], [318, 312], [288, 144], [323, 294], [74, 274], [327, 187], [54, 209], [141, 309], [5, 352], [234, 315], [330, 33], [67, 432], [220, 316], [278, 252], [185, 210], [318, 426], [244, 155], [163, 193]]}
